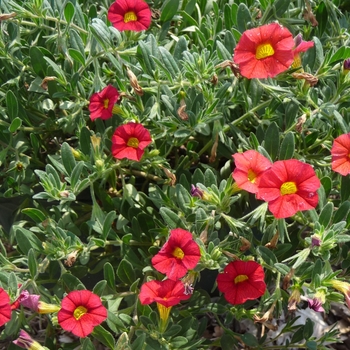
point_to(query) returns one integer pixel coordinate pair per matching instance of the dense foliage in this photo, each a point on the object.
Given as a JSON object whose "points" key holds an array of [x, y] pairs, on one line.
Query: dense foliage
{"points": [[85, 207]]}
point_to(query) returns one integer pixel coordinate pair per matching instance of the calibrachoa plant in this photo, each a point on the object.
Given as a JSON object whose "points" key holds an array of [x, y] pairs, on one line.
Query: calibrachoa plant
{"points": [[174, 174]]}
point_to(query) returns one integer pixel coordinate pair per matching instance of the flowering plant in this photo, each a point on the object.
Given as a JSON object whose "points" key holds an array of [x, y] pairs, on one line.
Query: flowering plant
{"points": [[174, 174]]}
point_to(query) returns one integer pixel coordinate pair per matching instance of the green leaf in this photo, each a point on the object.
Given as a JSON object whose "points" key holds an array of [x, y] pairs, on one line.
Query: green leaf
{"points": [[71, 282], [84, 140], [340, 120], [267, 255], [249, 340], [282, 268], [67, 157], [171, 219], [169, 62], [125, 272], [109, 219], [345, 188], [87, 344], [104, 336], [342, 212], [16, 123], [32, 263], [109, 275], [69, 12], [243, 17], [287, 147], [281, 7], [169, 10], [139, 342], [75, 176], [311, 345], [223, 53], [77, 56], [37, 61], [27, 240], [271, 141], [209, 178], [326, 214], [101, 33], [308, 329], [178, 342], [340, 55], [123, 342], [100, 287], [12, 108]]}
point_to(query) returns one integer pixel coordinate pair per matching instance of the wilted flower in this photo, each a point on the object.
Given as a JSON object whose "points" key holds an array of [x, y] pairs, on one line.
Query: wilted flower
{"points": [[31, 301], [81, 311], [129, 141], [264, 51], [242, 281], [294, 299], [178, 255], [134, 15], [26, 342], [102, 103], [289, 186]]}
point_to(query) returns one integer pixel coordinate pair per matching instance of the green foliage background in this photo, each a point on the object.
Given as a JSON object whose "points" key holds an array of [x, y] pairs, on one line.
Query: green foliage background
{"points": [[61, 195]]}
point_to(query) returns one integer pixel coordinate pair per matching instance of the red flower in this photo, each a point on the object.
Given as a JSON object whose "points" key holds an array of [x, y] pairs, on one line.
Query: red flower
{"points": [[167, 293], [250, 165], [264, 51], [129, 141], [300, 46], [289, 186], [102, 103], [242, 281], [132, 15], [340, 154], [178, 255], [81, 311], [5, 307]]}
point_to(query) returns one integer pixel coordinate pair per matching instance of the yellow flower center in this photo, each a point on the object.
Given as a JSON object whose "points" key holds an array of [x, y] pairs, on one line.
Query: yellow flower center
{"points": [[133, 142], [240, 278], [263, 51], [288, 188], [130, 17], [251, 176], [105, 103], [178, 253], [297, 61], [79, 311]]}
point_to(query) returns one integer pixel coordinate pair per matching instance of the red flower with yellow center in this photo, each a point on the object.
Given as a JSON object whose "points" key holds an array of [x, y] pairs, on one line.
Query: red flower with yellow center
{"points": [[178, 255], [132, 15], [289, 186], [242, 281], [102, 103], [81, 311], [166, 294], [341, 154], [5, 307], [250, 165], [129, 141], [264, 51]]}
